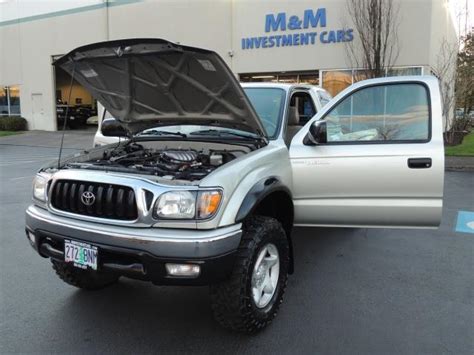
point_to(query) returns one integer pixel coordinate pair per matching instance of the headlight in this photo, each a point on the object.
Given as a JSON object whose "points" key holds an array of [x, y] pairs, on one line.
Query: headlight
{"points": [[188, 204], [176, 204], [39, 188]]}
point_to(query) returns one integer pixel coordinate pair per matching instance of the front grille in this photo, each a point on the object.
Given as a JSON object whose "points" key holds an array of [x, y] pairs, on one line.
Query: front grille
{"points": [[106, 201]]}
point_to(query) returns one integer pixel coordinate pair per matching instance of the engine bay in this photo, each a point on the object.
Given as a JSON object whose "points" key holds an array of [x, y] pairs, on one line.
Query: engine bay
{"points": [[170, 163]]}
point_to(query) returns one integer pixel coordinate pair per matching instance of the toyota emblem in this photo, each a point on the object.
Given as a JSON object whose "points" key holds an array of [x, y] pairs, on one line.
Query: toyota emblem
{"points": [[88, 198]]}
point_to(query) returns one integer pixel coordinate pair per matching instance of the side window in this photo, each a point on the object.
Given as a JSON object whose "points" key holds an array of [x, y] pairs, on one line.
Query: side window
{"points": [[383, 113], [304, 105]]}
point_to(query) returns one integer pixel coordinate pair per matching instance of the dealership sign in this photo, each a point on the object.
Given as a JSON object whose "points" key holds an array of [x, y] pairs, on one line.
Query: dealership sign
{"points": [[299, 31]]}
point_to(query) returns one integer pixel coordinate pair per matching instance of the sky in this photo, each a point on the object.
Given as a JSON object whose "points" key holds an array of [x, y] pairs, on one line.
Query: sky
{"points": [[462, 12]]}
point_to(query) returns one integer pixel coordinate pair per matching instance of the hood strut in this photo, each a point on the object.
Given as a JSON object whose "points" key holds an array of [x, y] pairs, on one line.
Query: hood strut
{"points": [[66, 116]]}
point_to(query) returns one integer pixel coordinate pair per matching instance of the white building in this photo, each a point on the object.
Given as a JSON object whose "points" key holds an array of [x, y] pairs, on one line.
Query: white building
{"points": [[299, 40]]}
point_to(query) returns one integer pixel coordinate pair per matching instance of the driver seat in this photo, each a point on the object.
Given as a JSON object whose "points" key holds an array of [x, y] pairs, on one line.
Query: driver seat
{"points": [[293, 122]]}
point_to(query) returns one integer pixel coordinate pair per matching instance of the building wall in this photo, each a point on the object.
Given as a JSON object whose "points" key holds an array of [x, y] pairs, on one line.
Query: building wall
{"points": [[203, 23], [30, 46], [219, 25], [249, 20]]}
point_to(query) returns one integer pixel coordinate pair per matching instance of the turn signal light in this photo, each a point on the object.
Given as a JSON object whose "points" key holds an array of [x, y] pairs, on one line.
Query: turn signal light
{"points": [[208, 203]]}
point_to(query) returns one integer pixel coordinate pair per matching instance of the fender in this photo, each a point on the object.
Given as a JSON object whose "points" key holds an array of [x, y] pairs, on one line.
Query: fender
{"points": [[257, 194]]}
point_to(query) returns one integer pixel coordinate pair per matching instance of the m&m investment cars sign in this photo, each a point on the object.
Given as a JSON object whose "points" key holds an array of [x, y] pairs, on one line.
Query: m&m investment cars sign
{"points": [[302, 31]]}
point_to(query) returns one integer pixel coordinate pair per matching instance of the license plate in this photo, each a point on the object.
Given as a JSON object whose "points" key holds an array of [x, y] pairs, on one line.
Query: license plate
{"points": [[81, 255]]}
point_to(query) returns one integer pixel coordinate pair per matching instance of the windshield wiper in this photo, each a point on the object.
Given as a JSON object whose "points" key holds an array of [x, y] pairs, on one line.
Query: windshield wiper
{"points": [[216, 132], [156, 132]]}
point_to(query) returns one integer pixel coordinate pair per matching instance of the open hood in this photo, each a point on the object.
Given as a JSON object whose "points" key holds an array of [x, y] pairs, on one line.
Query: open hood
{"points": [[145, 83]]}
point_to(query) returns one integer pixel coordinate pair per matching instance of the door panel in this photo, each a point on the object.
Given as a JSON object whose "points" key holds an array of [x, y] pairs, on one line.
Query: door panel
{"points": [[37, 109], [383, 164]]}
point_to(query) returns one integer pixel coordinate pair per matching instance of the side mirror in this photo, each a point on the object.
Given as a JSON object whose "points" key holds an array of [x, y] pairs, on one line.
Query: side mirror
{"points": [[317, 134], [112, 128]]}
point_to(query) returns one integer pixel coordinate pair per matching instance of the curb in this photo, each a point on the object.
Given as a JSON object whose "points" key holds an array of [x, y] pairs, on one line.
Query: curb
{"points": [[459, 163]]}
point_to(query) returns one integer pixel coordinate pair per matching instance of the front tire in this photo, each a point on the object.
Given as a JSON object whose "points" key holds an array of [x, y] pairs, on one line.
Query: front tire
{"points": [[249, 300], [84, 279]]}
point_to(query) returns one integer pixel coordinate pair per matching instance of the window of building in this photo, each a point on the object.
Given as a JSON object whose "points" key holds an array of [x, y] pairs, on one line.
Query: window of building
{"points": [[382, 113], [9, 101], [335, 81], [4, 101], [306, 77], [359, 75], [404, 71]]}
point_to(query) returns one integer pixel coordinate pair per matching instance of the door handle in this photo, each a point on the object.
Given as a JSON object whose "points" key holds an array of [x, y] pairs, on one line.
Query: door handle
{"points": [[419, 163]]}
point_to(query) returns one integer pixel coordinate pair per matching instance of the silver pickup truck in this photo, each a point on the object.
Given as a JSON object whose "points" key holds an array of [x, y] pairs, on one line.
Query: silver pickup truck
{"points": [[202, 190]]}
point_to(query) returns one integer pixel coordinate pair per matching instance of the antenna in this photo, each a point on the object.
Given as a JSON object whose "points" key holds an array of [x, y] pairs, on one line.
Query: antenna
{"points": [[66, 116]]}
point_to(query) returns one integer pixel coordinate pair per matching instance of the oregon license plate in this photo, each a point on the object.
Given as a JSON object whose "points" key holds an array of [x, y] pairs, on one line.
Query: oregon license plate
{"points": [[81, 255]]}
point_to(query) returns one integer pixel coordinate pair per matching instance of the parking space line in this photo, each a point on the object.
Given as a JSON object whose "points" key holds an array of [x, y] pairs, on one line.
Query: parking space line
{"points": [[20, 162], [22, 177], [465, 222]]}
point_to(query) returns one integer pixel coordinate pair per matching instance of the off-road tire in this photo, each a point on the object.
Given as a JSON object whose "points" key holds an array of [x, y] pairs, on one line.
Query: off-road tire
{"points": [[231, 300], [84, 279]]}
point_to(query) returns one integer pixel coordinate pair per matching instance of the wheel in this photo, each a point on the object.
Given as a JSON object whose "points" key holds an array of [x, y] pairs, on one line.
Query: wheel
{"points": [[85, 279], [249, 300]]}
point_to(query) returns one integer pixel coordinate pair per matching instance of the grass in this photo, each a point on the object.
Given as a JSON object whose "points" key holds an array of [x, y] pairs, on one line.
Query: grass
{"points": [[9, 133], [465, 149]]}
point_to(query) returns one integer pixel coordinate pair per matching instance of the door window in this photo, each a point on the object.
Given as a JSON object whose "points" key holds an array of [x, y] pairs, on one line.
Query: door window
{"points": [[305, 106], [384, 113]]}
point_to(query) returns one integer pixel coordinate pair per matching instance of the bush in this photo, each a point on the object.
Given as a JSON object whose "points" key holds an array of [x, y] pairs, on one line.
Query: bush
{"points": [[13, 123]]}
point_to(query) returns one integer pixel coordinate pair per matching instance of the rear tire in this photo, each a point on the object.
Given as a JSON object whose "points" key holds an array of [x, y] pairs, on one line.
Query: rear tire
{"points": [[84, 279], [235, 302]]}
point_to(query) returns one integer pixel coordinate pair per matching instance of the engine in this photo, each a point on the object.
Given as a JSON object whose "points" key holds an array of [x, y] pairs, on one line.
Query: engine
{"points": [[183, 164]]}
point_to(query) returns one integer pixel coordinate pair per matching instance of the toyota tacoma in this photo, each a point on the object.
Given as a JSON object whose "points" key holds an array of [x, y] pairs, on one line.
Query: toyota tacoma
{"points": [[208, 180]]}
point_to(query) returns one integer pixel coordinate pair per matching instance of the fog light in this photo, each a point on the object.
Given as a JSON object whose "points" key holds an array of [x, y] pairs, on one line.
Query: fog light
{"points": [[190, 270], [31, 237]]}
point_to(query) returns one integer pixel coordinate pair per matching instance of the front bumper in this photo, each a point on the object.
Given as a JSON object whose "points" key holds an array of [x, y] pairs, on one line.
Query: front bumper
{"points": [[140, 252]]}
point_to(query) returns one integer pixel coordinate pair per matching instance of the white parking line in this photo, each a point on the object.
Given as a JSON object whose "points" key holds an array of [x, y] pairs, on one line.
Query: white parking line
{"points": [[22, 177], [21, 162], [18, 162]]}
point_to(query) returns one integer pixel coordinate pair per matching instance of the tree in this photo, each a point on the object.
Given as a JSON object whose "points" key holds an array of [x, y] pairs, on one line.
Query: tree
{"points": [[465, 75], [376, 45], [445, 70], [455, 71]]}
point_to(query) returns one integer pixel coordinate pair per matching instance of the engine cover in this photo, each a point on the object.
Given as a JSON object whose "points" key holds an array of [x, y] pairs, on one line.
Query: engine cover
{"points": [[180, 156]]}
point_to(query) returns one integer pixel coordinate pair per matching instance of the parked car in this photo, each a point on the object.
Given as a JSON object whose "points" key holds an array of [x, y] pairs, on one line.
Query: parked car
{"points": [[62, 110], [77, 115], [211, 179], [93, 120]]}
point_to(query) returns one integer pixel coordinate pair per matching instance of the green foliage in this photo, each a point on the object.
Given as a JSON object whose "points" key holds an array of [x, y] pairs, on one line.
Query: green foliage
{"points": [[8, 133], [464, 149], [13, 123], [465, 74]]}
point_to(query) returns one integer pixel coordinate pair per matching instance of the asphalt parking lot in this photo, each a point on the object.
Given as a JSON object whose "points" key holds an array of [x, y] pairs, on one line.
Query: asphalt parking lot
{"points": [[355, 291]]}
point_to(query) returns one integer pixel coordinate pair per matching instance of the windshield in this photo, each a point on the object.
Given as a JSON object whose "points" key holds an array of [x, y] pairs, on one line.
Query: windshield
{"points": [[194, 129], [268, 103]]}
